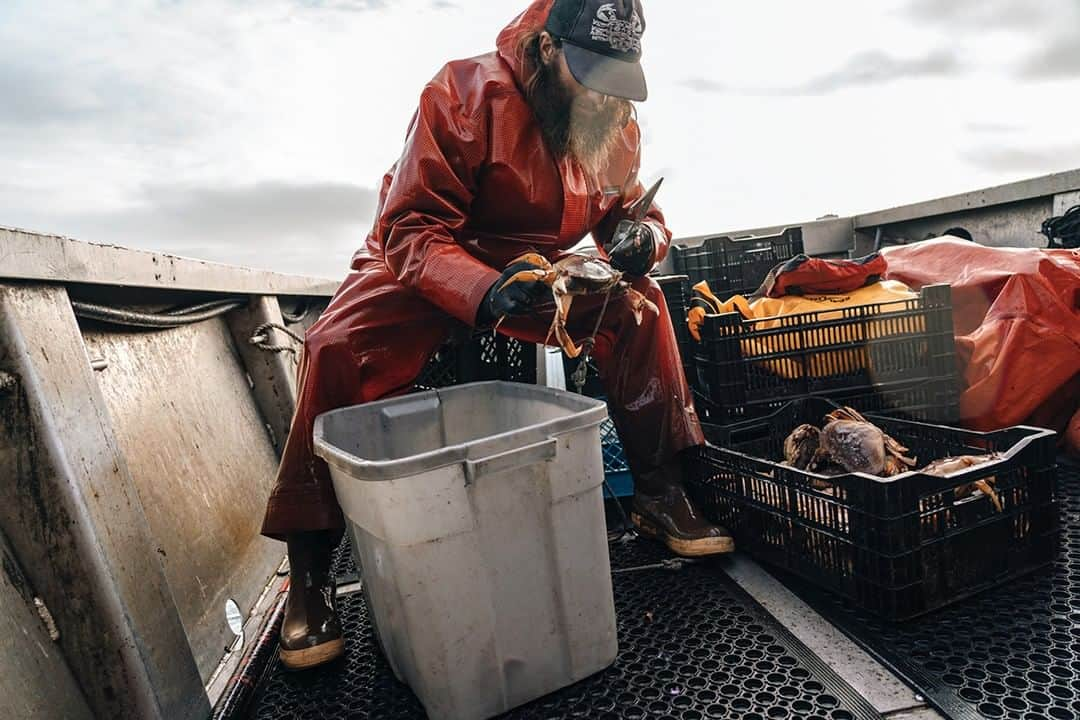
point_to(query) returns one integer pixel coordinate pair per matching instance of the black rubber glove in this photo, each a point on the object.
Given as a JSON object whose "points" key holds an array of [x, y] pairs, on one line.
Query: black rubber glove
{"points": [[634, 248], [515, 299]]}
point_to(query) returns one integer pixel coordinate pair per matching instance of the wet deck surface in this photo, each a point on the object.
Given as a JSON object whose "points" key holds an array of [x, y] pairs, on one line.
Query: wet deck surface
{"points": [[692, 645]]}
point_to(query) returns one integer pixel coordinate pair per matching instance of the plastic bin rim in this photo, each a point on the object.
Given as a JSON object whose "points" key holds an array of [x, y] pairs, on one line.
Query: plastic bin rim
{"points": [[592, 412], [810, 315], [700, 240], [1034, 434]]}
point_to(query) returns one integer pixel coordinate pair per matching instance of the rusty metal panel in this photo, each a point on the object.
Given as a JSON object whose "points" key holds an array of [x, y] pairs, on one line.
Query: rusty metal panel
{"points": [[35, 681], [202, 460], [74, 519]]}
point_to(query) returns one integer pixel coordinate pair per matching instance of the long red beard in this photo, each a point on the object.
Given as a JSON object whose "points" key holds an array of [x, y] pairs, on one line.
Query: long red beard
{"points": [[569, 128]]}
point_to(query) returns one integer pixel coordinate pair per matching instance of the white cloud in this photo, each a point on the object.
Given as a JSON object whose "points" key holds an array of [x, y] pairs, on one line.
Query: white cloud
{"points": [[1026, 160], [255, 131], [871, 68]]}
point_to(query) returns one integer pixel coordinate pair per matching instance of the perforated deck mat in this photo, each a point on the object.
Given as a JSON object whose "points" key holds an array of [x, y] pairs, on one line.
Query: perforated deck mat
{"points": [[692, 645], [342, 566], [1011, 653]]}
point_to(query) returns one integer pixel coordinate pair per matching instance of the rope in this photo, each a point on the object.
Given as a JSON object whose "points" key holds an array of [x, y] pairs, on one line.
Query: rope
{"points": [[578, 379], [261, 338], [1066, 228], [160, 321], [582, 371], [213, 304]]}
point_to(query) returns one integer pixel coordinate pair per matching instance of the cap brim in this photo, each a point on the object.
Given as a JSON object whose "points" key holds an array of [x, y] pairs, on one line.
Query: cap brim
{"points": [[606, 75]]}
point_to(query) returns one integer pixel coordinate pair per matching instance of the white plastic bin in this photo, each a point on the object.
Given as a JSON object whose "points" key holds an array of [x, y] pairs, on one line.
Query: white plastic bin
{"points": [[477, 519]]}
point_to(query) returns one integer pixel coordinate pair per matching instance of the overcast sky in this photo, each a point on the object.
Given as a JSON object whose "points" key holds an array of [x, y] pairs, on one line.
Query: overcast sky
{"points": [[255, 131]]}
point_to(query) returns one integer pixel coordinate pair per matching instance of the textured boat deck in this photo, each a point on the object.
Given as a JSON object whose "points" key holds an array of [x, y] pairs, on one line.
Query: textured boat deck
{"points": [[1011, 653], [692, 645], [698, 642]]}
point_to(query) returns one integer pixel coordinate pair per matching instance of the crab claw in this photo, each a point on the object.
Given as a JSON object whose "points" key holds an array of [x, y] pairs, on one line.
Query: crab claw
{"points": [[542, 272], [533, 259], [538, 275], [639, 304]]}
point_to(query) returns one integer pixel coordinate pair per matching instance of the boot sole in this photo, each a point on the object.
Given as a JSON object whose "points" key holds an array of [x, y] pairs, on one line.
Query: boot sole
{"points": [[308, 658], [701, 547]]}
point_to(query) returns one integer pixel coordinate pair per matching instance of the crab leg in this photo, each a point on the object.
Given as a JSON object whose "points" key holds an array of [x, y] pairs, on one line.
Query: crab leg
{"points": [[986, 485], [558, 326]]}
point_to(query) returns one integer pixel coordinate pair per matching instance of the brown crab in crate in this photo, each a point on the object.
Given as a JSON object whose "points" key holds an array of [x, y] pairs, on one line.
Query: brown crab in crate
{"points": [[577, 275], [987, 486], [857, 445]]}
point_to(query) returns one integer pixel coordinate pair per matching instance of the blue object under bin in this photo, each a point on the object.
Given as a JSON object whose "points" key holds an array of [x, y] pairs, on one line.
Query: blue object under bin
{"points": [[616, 470]]}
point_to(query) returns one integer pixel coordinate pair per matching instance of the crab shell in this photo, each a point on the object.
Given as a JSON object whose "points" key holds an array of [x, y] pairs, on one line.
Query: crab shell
{"points": [[577, 275], [860, 446]]}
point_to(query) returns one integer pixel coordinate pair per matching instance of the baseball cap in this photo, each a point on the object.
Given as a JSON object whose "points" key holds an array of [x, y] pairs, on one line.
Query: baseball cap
{"points": [[602, 44]]}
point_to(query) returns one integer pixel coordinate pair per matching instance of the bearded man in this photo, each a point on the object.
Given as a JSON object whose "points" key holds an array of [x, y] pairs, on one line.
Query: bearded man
{"points": [[526, 149]]}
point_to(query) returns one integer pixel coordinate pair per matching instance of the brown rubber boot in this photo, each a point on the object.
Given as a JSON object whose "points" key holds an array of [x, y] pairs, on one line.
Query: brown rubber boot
{"points": [[310, 632], [663, 511]]}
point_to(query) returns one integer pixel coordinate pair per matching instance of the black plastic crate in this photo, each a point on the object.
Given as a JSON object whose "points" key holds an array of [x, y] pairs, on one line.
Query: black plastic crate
{"points": [[934, 400], [676, 289], [897, 547], [478, 358], [736, 266], [897, 356], [616, 468]]}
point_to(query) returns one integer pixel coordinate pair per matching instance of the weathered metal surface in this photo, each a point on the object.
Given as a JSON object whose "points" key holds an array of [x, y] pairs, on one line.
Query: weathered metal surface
{"points": [[1014, 225], [32, 256], [1064, 201], [1041, 187], [273, 374], [201, 458], [69, 507], [254, 623], [309, 310], [35, 682], [866, 675], [1005, 215]]}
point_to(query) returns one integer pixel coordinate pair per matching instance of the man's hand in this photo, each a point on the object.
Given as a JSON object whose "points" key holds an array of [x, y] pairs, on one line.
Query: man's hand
{"points": [[515, 299], [634, 248]]}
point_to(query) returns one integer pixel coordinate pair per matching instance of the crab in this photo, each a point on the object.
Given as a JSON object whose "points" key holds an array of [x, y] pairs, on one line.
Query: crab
{"points": [[850, 440], [987, 486], [577, 275], [801, 451], [801, 446]]}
